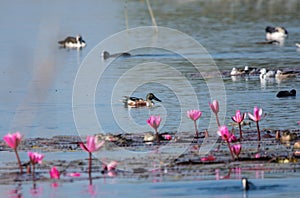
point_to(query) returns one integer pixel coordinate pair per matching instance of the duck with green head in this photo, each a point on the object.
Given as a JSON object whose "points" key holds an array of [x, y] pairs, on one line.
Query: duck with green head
{"points": [[140, 102]]}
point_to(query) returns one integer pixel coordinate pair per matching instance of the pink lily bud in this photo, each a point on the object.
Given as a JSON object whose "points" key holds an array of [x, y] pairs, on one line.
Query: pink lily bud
{"points": [[236, 149], [54, 173], [214, 106]]}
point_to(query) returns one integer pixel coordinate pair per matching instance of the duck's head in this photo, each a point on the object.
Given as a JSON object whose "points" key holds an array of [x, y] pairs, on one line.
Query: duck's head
{"points": [[151, 96], [270, 29], [78, 38], [293, 92], [286, 133], [105, 55], [263, 71], [245, 183]]}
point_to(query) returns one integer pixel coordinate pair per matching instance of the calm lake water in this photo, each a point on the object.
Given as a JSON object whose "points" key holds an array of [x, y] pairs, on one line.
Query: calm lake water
{"points": [[120, 188], [37, 77]]}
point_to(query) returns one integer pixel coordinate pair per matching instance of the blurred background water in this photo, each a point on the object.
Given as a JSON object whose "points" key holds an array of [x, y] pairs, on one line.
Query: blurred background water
{"points": [[37, 76]]}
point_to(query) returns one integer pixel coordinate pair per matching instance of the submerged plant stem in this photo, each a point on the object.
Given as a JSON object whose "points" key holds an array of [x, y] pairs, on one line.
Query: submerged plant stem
{"points": [[19, 161], [217, 118], [258, 131], [196, 130], [240, 127], [90, 168], [157, 137], [228, 144], [90, 163], [33, 171]]}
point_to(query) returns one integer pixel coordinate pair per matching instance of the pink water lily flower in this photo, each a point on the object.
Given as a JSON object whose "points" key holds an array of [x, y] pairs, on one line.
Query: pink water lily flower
{"points": [[194, 115], [256, 117], [13, 140], [54, 173], [227, 137], [35, 158], [91, 144], [215, 108], [154, 122], [236, 149], [257, 113], [225, 134], [238, 118]]}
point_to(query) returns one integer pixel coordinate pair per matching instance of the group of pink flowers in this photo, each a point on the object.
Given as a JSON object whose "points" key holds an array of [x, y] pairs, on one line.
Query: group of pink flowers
{"points": [[154, 122], [13, 141]]}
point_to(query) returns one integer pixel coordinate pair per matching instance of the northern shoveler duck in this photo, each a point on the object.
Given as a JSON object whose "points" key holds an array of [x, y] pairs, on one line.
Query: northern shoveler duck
{"points": [[276, 33], [283, 94], [73, 42], [105, 54], [284, 75], [140, 102], [266, 74]]}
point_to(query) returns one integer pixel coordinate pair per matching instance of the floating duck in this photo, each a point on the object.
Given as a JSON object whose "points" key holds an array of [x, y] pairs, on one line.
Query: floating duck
{"points": [[237, 72], [250, 70], [266, 74], [297, 145], [246, 184], [105, 54], [283, 94], [298, 45], [287, 136], [151, 137], [140, 102], [276, 34], [73, 42], [284, 75]]}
